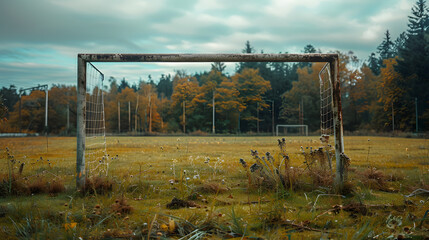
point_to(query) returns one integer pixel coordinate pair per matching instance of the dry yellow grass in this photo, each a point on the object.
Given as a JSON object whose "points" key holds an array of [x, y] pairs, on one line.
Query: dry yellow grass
{"points": [[143, 168]]}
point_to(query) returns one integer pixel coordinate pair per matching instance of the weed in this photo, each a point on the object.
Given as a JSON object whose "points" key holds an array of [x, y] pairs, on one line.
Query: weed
{"points": [[121, 206], [373, 178], [98, 185], [56, 186]]}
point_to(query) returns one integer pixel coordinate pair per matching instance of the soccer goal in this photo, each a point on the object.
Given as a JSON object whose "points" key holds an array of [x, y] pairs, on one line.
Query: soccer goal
{"points": [[285, 127], [90, 110]]}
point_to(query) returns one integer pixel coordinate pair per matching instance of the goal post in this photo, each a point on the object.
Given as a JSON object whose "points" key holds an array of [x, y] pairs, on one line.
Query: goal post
{"points": [[332, 59], [291, 126]]}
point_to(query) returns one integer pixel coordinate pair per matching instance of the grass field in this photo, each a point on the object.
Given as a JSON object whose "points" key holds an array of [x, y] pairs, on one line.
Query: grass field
{"points": [[219, 198]]}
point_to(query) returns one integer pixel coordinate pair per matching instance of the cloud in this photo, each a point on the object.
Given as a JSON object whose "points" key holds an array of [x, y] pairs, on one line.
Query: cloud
{"points": [[50, 33]]}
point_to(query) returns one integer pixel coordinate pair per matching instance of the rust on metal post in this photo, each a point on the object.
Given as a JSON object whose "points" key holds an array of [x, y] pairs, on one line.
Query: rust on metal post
{"points": [[81, 116], [340, 176]]}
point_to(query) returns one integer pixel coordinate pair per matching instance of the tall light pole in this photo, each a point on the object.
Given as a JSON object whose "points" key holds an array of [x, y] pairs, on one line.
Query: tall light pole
{"points": [[68, 118], [393, 120], [257, 117], [129, 116], [272, 115], [119, 117], [214, 128], [417, 118]]}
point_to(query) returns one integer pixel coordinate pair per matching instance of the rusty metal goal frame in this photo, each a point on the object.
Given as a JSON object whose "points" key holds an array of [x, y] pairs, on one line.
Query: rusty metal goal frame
{"points": [[332, 59]]}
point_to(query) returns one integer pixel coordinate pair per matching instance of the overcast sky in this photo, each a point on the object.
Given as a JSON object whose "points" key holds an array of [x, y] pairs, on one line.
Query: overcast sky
{"points": [[39, 40]]}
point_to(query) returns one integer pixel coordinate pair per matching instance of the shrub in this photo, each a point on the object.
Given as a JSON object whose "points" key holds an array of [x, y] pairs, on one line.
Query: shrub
{"points": [[98, 185]]}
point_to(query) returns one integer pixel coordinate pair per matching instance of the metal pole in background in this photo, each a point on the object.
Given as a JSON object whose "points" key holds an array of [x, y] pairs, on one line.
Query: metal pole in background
{"points": [[19, 121], [46, 109], [119, 117], [213, 128], [136, 115], [184, 116], [46, 117], [417, 117], [129, 117], [393, 120], [150, 112], [272, 116], [257, 117], [68, 118]]}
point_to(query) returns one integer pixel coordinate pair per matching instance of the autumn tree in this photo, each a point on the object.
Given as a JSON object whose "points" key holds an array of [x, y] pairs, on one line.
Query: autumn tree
{"points": [[62, 99], [32, 112], [228, 105], [205, 101], [111, 106], [304, 91], [149, 105], [393, 95], [127, 101], [252, 88], [185, 89]]}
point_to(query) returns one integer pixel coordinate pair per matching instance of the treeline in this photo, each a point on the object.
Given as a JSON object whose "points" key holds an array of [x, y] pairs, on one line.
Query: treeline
{"points": [[388, 90]]}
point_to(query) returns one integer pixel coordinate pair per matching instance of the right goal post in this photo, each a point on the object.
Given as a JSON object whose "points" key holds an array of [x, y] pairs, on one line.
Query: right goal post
{"points": [[332, 79]]}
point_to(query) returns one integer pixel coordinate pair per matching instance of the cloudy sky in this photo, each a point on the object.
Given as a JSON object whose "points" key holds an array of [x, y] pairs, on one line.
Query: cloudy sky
{"points": [[39, 40]]}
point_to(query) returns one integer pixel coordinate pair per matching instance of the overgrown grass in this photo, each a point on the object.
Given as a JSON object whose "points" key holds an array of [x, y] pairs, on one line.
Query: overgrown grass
{"points": [[224, 200]]}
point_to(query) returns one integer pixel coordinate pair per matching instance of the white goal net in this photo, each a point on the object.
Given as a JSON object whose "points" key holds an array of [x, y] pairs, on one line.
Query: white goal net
{"points": [[95, 128], [326, 113]]}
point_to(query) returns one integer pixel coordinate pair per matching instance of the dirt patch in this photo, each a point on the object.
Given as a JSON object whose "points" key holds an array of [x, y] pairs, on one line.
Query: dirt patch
{"points": [[179, 203]]}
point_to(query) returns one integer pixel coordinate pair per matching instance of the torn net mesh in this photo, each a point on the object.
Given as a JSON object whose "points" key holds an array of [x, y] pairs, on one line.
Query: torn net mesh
{"points": [[326, 114], [96, 157]]}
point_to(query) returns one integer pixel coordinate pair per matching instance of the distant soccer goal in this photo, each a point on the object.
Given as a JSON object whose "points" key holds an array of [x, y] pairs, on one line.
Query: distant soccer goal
{"points": [[331, 119], [285, 127]]}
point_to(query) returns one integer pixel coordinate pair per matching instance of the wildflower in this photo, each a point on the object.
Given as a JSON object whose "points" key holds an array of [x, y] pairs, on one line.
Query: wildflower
{"points": [[254, 153], [243, 163], [69, 226], [254, 167]]}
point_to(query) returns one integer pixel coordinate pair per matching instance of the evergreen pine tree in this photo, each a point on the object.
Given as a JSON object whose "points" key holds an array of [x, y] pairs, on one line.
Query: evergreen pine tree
{"points": [[374, 64], [386, 48], [414, 57]]}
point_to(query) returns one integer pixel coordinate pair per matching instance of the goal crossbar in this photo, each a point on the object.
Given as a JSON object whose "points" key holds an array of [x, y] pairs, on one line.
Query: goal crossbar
{"points": [[83, 59]]}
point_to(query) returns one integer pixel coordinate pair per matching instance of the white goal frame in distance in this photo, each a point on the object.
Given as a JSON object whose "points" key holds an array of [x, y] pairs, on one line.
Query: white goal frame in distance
{"points": [[293, 126], [332, 59]]}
